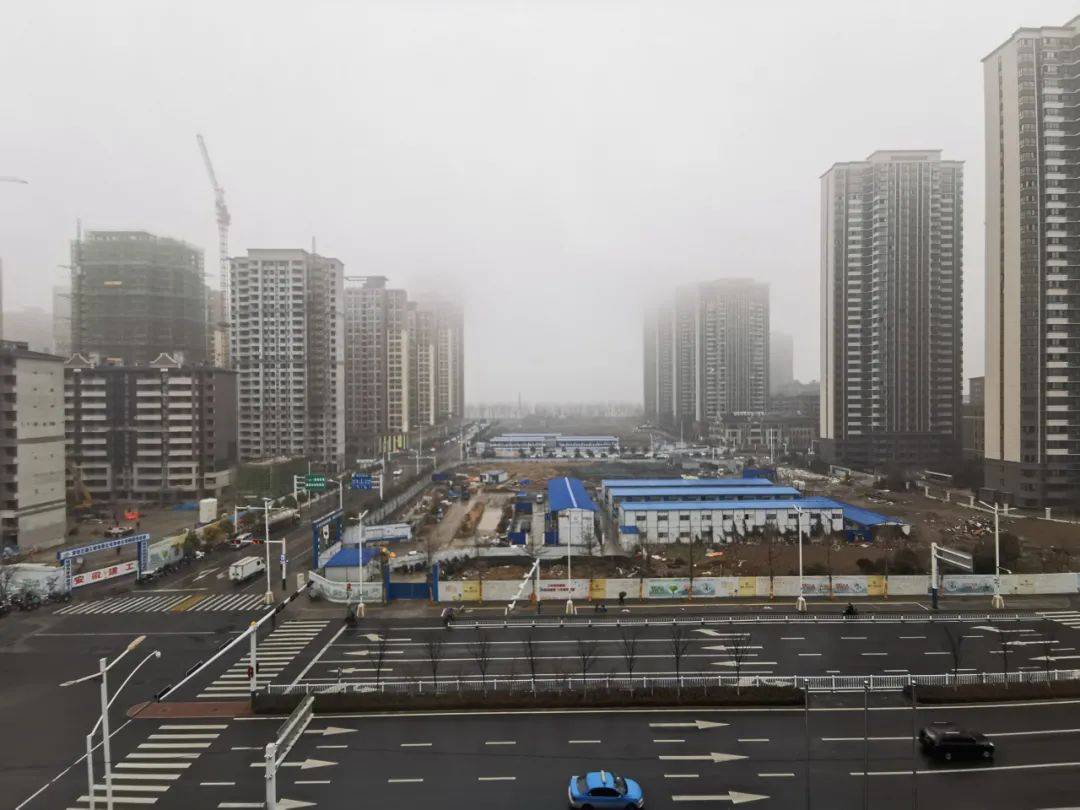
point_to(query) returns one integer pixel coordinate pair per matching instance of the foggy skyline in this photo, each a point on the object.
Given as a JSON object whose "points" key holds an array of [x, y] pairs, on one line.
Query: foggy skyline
{"points": [[558, 164]]}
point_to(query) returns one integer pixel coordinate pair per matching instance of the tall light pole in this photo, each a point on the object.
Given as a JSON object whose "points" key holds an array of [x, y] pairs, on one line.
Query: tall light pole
{"points": [[998, 601], [102, 677], [269, 596], [800, 601]]}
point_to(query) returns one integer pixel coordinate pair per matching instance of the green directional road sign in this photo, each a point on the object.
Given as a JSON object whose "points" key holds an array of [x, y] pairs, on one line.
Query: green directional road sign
{"points": [[315, 482]]}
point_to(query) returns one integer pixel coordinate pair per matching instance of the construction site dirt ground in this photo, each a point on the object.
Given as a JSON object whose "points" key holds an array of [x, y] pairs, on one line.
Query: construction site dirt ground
{"points": [[1045, 546]]}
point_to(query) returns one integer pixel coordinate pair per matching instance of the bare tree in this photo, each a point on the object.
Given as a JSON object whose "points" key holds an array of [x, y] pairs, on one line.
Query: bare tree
{"points": [[586, 654], [680, 644], [378, 649], [434, 646], [629, 638], [480, 652], [954, 637], [768, 536], [739, 650], [690, 591], [531, 654], [1003, 639]]}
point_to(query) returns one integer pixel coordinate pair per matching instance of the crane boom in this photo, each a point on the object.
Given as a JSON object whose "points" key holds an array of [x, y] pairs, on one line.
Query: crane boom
{"points": [[223, 219]]}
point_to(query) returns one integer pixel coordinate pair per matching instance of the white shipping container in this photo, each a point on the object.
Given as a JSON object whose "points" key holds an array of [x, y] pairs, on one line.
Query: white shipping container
{"points": [[208, 511]]}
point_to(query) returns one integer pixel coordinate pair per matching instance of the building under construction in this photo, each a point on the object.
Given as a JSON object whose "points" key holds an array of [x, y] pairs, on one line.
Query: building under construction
{"points": [[135, 296]]}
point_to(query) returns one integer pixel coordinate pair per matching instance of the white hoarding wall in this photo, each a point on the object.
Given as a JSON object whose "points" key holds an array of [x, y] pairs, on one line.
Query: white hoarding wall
{"points": [[344, 591], [165, 551], [840, 587]]}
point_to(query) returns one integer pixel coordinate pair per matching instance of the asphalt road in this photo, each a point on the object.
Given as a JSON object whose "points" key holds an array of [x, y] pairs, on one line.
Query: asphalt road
{"points": [[864, 648], [682, 758], [43, 725]]}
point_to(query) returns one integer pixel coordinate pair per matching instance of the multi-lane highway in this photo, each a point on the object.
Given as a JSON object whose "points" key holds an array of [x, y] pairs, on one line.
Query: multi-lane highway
{"points": [[779, 758]]}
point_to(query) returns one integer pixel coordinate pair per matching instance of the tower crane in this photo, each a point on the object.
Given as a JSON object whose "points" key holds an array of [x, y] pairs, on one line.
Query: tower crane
{"points": [[223, 220]]}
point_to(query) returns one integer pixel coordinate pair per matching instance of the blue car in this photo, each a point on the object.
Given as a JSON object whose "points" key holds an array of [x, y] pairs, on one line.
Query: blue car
{"points": [[600, 789]]}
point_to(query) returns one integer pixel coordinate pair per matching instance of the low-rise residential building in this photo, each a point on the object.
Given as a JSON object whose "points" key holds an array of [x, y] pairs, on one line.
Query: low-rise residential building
{"points": [[524, 445], [33, 512], [161, 432], [771, 433]]}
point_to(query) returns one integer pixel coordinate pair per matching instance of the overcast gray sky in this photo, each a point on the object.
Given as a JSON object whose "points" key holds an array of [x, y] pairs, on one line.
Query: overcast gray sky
{"points": [[557, 163]]}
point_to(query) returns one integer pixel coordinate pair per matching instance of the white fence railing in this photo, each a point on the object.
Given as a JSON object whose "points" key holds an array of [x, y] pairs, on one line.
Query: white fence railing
{"points": [[621, 620], [552, 683]]}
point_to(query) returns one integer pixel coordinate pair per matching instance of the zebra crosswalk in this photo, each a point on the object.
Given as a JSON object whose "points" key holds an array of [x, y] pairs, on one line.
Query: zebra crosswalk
{"points": [[168, 603], [1069, 618], [145, 774], [273, 654]]}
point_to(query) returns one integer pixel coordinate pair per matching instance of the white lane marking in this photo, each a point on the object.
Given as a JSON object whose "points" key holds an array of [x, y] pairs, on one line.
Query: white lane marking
{"points": [[177, 755], [937, 652], [496, 778], [148, 765], [860, 739], [668, 741], [133, 788], [583, 742], [853, 638], [500, 742], [312, 782], [774, 775], [810, 655], [192, 727], [318, 655], [681, 775], [189, 736], [981, 769], [792, 638], [331, 746], [899, 671], [416, 745], [832, 672], [912, 638], [217, 784], [393, 781], [175, 745], [753, 739], [146, 776], [873, 653]]}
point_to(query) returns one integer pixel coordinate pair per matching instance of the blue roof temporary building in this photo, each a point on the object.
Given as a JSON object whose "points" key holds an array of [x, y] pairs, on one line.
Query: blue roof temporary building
{"points": [[729, 505], [568, 493], [692, 493], [348, 557], [622, 483]]}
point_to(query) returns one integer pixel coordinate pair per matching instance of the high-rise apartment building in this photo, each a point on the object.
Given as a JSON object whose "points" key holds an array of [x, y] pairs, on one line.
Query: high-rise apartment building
{"points": [[449, 334], [707, 354], [135, 296], [33, 508], [891, 306], [377, 374], [1032, 401], [61, 319], [162, 432], [781, 362], [287, 335], [422, 361]]}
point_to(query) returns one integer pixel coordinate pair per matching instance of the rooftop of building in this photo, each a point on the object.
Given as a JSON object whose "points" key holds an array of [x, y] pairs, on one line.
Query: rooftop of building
{"points": [[741, 491], [1071, 28], [21, 349], [569, 493], [609, 483], [895, 156]]}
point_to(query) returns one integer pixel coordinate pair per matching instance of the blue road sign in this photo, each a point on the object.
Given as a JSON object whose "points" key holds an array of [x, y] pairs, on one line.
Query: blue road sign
{"points": [[360, 481]]}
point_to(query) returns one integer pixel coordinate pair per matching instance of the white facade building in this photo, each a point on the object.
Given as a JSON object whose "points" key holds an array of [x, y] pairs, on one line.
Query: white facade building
{"points": [[33, 508], [288, 347]]}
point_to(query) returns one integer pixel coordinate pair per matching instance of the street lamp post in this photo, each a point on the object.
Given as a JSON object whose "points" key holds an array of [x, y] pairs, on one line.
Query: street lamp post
{"points": [[269, 597], [997, 601], [102, 677], [800, 601]]}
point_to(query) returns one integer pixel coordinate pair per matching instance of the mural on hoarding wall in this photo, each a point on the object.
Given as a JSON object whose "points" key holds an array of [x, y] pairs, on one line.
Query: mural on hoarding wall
{"points": [[679, 588], [967, 584]]}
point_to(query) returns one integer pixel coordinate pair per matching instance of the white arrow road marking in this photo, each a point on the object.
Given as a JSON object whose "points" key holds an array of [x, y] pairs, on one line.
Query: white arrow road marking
{"points": [[351, 670], [306, 765], [744, 664], [726, 647], [1055, 657], [205, 573], [732, 796], [713, 757], [698, 724], [283, 804], [1028, 643], [329, 731], [709, 632], [368, 652]]}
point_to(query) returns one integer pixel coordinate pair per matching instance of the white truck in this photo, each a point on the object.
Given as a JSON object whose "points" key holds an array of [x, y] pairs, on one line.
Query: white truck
{"points": [[246, 569]]}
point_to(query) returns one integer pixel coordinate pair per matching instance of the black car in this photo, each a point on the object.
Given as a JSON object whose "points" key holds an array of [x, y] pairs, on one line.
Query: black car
{"points": [[949, 742]]}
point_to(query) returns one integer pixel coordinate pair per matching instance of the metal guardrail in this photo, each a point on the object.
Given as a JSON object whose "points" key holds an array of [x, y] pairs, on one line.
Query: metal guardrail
{"points": [[550, 683], [600, 620]]}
